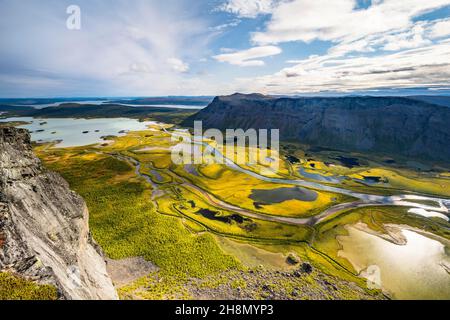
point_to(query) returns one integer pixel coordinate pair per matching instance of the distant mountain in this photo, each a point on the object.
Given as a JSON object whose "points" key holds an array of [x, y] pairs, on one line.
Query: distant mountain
{"points": [[75, 110], [439, 100], [187, 101], [44, 101], [390, 125], [170, 100]]}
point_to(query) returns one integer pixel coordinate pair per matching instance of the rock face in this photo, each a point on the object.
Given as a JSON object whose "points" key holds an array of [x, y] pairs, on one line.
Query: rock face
{"points": [[44, 233], [390, 125]]}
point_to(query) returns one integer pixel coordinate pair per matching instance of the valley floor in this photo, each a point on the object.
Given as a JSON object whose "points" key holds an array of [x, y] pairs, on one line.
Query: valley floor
{"points": [[200, 231]]}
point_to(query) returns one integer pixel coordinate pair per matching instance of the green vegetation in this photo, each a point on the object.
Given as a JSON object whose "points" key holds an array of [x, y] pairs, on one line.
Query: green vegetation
{"points": [[17, 288], [124, 221]]}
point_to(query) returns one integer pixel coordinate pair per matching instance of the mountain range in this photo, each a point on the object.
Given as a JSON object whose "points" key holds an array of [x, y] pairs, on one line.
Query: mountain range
{"points": [[389, 125]]}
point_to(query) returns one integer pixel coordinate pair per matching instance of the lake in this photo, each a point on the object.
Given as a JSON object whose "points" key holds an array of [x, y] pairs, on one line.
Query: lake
{"points": [[417, 270], [78, 132]]}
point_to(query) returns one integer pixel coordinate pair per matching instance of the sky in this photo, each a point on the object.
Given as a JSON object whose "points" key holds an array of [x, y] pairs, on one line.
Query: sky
{"points": [[128, 48]]}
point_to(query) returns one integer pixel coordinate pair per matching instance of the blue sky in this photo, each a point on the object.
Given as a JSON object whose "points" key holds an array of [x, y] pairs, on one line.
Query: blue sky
{"points": [[185, 47]]}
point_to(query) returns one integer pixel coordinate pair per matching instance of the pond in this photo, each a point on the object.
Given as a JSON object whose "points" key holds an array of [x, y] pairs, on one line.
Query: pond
{"points": [[348, 162], [320, 177], [279, 195], [370, 181]]}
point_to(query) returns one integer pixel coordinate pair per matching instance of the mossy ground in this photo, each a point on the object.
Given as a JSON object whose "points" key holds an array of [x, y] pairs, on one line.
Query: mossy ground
{"points": [[13, 287]]}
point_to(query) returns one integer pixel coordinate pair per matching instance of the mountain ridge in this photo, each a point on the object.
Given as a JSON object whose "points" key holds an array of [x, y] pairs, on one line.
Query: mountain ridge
{"points": [[391, 125]]}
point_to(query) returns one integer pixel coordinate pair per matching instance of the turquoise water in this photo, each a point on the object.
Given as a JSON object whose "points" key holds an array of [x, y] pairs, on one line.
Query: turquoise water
{"points": [[70, 131]]}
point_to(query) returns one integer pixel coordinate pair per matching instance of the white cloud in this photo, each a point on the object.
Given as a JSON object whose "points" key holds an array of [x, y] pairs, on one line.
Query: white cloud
{"points": [[249, 58], [224, 26], [441, 29], [413, 38], [337, 21], [178, 65], [248, 8]]}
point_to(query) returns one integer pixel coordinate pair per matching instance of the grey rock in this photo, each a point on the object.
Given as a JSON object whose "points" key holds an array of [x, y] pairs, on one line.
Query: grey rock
{"points": [[44, 225]]}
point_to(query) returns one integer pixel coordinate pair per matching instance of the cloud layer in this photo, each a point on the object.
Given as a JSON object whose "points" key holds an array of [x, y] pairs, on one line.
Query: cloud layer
{"points": [[427, 66]]}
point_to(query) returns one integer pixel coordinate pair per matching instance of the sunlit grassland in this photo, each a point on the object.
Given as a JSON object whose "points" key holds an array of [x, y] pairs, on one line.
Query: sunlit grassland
{"points": [[254, 255], [124, 222], [398, 180], [322, 260], [267, 162]]}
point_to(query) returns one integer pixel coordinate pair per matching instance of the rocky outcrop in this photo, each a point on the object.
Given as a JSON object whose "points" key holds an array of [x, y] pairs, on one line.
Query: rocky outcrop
{"points": [[390, 125], [44, 233]]}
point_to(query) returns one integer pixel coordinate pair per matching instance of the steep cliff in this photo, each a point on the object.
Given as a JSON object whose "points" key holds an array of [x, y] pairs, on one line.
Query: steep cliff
{"points": [[391, 125], [44, 233]]}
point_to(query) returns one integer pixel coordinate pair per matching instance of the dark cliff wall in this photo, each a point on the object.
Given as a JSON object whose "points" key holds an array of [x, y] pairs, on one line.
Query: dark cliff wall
{"points": [[392, 125]]}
